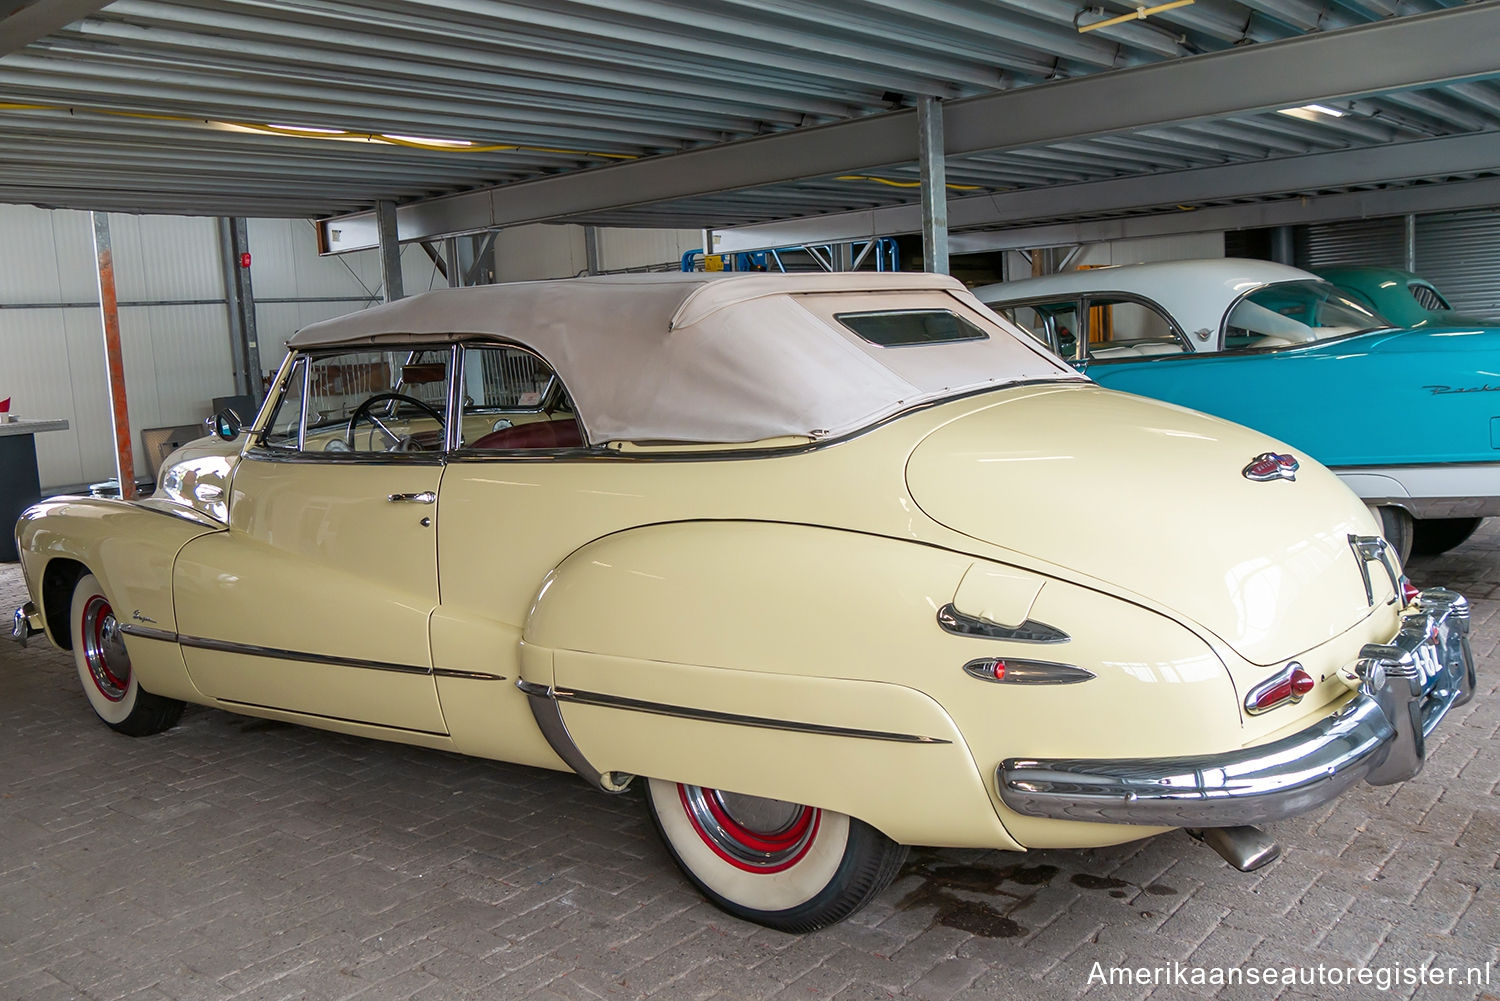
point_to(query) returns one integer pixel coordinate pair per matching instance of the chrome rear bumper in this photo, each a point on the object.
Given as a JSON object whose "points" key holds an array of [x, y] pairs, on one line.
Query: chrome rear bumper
{"points": [[1404, 690]]}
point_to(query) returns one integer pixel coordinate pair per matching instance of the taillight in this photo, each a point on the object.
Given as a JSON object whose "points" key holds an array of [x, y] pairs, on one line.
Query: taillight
{"points": [[1287, 685], [1409, 591]]}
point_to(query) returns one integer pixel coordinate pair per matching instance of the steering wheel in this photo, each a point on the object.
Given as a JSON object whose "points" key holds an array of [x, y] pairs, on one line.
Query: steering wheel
{"points": [[365, 411]]}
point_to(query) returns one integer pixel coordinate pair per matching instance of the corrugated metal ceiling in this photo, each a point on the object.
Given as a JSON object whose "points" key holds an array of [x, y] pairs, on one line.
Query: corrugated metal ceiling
{"points": [[209, 108]]}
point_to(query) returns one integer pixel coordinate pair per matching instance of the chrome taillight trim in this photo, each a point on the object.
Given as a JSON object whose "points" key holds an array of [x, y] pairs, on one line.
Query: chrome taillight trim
{"points": [[1029, 631], [1374, 549], [1280, 677], [1027, 672]]}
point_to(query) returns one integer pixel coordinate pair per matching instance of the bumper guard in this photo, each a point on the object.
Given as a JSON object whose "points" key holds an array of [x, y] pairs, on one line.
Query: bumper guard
{"points": [[1405, 688], [23, 625]]}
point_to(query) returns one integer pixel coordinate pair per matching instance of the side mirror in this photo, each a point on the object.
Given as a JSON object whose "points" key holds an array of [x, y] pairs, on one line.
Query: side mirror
{"points": [[225, 424]]}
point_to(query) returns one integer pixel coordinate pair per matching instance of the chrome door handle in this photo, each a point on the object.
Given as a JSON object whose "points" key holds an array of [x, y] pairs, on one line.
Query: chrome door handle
{"points": [[425, 497]]}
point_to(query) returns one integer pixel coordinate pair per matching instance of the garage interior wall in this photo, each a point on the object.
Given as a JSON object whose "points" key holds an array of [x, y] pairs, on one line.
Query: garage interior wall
{"points": [[1139, 250], [174, 324]]}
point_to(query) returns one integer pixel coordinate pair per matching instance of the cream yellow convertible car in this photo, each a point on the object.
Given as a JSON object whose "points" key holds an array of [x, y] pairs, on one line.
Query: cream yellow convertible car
{"points": [[829, 565]]}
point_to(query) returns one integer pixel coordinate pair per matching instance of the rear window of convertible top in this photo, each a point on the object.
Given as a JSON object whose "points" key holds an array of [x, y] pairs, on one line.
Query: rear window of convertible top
{"points": [[905, 327]]}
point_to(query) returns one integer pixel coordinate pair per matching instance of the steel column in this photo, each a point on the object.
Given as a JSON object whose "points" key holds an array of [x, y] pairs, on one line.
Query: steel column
{"points": [[455, 269], [1409, 236], [591, 249], [234, 252], [390, 251], [114, 363], [932, 165]]}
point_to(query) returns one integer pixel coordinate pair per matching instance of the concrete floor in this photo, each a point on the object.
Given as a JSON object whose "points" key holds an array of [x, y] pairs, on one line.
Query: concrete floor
{"points": [[237, 858]]}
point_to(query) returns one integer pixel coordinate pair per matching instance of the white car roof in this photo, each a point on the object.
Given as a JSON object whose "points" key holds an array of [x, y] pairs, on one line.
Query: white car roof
{"points": [[714, 358], [1196, 293]]}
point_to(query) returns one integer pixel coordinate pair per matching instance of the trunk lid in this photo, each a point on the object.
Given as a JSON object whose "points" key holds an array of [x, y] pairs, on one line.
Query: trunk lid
{"points": [[1152, 498]]}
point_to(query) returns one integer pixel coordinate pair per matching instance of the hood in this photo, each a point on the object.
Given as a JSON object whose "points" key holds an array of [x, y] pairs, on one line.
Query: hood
{"points": [[1153, 498]]}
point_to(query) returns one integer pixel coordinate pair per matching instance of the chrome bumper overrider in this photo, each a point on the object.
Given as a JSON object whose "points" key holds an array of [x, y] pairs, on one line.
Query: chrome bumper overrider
{"points": [[1404, 690], [21, 628]]}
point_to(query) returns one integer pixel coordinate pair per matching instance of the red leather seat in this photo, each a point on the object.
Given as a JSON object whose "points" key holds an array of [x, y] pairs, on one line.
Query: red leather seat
{"points": [[538, 434]]}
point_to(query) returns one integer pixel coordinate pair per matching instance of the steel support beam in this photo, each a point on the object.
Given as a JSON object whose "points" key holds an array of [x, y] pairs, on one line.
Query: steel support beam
{"points": [[239, 297], [1448, 156], [390, 251], [1397, 54], [31, 21], [591, 249], [114, 362], [932, 163], [1286, 212]]}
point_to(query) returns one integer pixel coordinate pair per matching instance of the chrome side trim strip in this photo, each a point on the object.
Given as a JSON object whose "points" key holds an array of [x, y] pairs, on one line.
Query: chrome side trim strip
{"points": [[331, 719], [251, 650], [147, 633], [1030, 631], [713, 716], [449, 672], [549, 719]]}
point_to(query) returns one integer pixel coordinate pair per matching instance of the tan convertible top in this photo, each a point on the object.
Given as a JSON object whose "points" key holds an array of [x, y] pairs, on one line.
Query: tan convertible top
{"points": [[715, 358]]}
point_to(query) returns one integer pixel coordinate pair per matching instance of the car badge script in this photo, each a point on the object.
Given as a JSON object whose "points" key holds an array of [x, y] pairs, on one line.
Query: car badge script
{"points": [[1271, 466]]}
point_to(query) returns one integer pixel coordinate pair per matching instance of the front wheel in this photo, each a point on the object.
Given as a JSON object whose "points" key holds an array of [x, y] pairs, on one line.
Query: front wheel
{"points": [[104, 667], [783, 865]]}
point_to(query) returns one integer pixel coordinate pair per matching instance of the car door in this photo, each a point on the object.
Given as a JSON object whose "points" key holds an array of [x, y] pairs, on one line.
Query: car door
{"points": [[317, 598]]}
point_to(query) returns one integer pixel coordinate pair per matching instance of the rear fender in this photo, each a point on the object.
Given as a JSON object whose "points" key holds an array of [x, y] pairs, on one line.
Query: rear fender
{"points": [[774, 660]]}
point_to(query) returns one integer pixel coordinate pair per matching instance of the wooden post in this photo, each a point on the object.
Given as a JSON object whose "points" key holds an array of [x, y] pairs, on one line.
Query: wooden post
{"points": [[114, 362]]}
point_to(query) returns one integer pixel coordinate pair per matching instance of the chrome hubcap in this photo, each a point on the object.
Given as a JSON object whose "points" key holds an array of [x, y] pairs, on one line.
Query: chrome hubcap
{"points": [[751, 832], [104, 649]]}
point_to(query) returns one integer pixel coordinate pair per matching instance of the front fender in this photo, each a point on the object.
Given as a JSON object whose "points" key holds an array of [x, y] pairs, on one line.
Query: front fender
{"points": [[130, 548]]}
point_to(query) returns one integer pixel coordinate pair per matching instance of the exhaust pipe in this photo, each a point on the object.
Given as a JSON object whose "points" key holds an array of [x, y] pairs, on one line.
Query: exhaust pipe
{"points": [[1246, 848]]}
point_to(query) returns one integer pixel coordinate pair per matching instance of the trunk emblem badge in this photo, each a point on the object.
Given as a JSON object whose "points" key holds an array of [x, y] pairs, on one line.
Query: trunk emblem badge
{"points": [[1272, 466]]}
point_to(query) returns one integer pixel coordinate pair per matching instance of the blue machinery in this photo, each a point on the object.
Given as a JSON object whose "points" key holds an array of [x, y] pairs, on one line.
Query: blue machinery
{"points": [[883, 248]]}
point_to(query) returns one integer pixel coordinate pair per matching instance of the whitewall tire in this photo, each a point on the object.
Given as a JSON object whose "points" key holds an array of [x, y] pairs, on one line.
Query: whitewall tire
{"points": [[104, 668], [788, 866]]}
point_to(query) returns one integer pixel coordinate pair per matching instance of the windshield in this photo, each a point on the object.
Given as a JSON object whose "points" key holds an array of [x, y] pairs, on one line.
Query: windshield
{"points": [[1300, 312]]}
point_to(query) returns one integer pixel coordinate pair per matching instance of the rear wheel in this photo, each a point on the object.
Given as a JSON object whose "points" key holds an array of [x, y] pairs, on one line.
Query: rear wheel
{"points": [[104, 667], [1431, 536], [784, 865], [1396, 526]]}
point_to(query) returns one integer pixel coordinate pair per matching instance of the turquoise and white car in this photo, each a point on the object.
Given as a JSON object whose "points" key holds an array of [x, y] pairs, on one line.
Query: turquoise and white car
{"points": [[1408, 417]]}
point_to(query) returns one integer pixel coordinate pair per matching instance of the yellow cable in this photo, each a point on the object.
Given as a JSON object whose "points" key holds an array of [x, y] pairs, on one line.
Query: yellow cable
{"points": [[901, 184]]}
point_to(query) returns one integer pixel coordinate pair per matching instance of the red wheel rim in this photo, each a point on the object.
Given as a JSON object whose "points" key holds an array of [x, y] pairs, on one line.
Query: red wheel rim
{"points": [[104, 649], [751, 833]]}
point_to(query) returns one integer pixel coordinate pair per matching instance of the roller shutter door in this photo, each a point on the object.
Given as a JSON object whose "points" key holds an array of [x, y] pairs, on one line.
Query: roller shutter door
{"points": [[1378, 242], [1459, 252]]}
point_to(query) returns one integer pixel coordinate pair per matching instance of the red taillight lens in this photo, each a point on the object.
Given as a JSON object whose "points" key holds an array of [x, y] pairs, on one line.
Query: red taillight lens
{"points": [[1409, 591], [1288, 686], [998, 670]]}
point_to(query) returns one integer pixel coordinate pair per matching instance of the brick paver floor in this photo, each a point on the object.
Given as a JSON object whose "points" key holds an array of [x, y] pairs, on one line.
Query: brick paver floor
{"points": [[234, 858]]}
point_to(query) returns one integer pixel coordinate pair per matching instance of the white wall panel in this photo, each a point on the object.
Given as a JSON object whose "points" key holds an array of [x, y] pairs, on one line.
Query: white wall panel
{"points": [[28, 270], [640, 248], [527, 253], [178, 258]]}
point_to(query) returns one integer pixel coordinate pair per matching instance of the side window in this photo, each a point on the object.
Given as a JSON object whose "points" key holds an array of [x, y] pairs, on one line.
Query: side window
{"points": [[285, 429], [370, 401], [1122, 328], [1054, 324], [512, 400]]}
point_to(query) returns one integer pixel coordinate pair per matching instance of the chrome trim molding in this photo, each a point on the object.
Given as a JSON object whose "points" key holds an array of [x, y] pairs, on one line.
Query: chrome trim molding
{"points": [[21, 629], [1405, 690], [449, 672], [332, 719], [1374, 549], [714, 716], [549, 719], [147, 633], [1283, 676], [1027, 672], [251, 650], [1030, 631]]}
